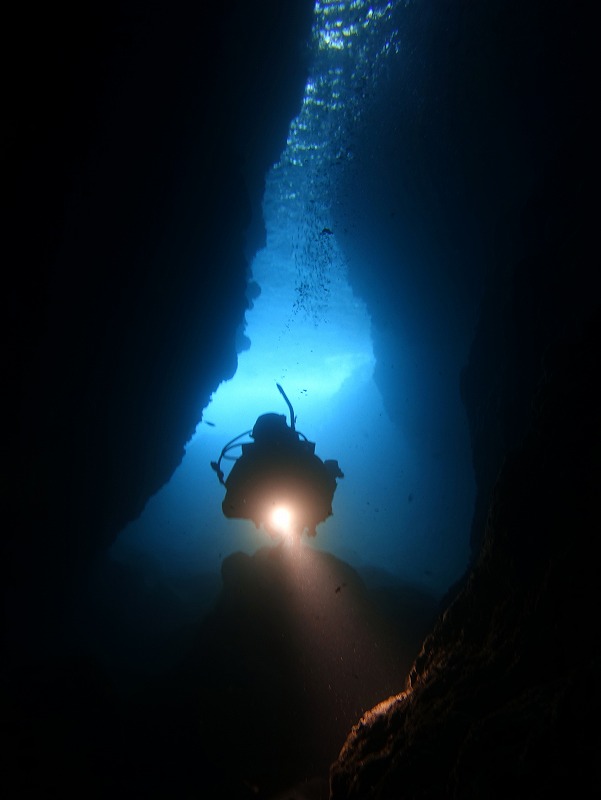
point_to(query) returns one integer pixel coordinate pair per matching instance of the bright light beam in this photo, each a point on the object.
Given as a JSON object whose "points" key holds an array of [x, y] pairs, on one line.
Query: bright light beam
{"points": [[281, 519]]}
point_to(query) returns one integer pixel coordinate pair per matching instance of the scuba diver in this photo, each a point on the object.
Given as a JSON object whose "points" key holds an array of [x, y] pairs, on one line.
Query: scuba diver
{"points": [[277, 480]]}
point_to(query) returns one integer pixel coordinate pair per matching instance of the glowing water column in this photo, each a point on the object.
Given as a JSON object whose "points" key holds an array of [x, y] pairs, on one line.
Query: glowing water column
{"points": [[307, 329]]}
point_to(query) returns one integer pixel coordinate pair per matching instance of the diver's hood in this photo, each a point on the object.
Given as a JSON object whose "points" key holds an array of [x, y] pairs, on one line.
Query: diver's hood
{"points": [[270, 426]]}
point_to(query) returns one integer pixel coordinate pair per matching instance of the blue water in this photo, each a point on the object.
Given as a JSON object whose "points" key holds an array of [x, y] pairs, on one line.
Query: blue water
{"points": [[405, 504]]}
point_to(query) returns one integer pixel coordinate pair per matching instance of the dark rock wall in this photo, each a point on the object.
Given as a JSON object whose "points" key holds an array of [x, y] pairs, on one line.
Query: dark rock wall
{"points": [[544, 295], [476, 153], [502, 700], [446, 159], [136, 141], [293, 651]]}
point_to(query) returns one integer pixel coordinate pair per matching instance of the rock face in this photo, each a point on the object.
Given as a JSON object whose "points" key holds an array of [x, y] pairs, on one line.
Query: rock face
{"points": [[502, 700], [138, 140], [295, 646], [261, 697], [536, 302]]}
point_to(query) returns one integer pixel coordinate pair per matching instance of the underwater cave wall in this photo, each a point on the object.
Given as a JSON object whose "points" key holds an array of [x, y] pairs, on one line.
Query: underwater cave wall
{"points": [[138, 147], [502, 700], [470, 168]]}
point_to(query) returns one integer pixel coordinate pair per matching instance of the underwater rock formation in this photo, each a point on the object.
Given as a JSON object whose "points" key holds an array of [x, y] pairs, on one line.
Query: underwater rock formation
{"points": [[138, 150], [502, 700], [298, 644]]}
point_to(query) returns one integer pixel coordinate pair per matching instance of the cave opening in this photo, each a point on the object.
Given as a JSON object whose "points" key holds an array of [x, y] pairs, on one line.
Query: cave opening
{"points": [[351, 334], [403, 510]]}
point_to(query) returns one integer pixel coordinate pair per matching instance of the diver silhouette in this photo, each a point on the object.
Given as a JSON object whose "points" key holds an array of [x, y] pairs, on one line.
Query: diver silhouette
{"points": [[277, 481]]}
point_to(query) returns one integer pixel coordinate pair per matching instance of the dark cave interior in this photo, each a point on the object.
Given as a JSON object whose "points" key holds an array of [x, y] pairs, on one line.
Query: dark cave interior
{"points": [[136, 144]]}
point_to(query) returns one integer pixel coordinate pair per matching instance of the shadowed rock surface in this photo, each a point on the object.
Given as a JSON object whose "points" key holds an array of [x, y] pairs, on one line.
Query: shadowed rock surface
{"points": [[138, 137], [502, 699], [295, 649]]}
